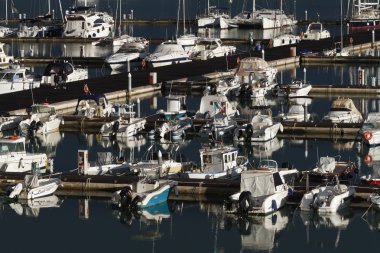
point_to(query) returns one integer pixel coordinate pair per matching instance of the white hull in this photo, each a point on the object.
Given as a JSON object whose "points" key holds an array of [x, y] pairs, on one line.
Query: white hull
{"points": [[79, 74], [262, 91], [15, 86], [46, 187], [212, 175], [21, 162], [126, 129], [326, 199], [166, 62], [105, 169], [47, 127]]}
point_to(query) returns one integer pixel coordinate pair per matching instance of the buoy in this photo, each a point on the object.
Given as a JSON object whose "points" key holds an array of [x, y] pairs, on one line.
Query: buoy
{"points": [[368, 135], [13, 137]]}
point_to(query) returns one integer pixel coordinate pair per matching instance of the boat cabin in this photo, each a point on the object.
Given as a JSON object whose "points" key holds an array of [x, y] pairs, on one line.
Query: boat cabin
{"points": [[175, 103], [13, 75], [260, 183], [213, 104], [223, 159], [12, 144], [91, 101]]}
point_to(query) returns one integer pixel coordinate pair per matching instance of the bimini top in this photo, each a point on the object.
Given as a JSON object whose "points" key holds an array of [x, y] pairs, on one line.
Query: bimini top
{"points": [[251, 64], [59, 67]]}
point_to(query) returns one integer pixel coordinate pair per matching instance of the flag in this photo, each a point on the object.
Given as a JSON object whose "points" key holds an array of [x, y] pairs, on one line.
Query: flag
{"points": [[14, 10]]}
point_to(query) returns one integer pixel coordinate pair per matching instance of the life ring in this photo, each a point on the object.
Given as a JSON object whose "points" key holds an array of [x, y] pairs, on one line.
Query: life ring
{"points": [[367, 159], [368, 135]]}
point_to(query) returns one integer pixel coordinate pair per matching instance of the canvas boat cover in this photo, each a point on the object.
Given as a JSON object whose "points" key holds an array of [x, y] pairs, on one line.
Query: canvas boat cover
{"points": [[258, 183], [31, 181], [326, 164]]}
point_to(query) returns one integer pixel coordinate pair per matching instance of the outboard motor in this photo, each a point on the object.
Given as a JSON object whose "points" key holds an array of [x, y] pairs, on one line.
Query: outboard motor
{"points": [[125, 200], [32, 128]]}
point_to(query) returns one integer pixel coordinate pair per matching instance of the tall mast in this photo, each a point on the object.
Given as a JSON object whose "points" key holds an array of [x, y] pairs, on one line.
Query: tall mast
{"points": [[341, 23], [6, 11], [208, 7], [49, 6], [183, 11], [253, 6]]}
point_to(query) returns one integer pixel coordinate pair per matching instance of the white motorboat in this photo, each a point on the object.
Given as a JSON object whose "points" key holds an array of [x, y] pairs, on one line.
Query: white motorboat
{"points": [[315, 31], [175, 107], [90, 105], [82, 23], [147, 192], [214, 104], [370, 131], [296, 113], [132, 52], [105, 163], [42, 119], [219, 127], [187, 41], [16, 78], [26, 30], [262, 191], [123, 127], [63, 72], [254, 70], [218, 162], [33, 187], [261, 128], [343, 110], [5, 59], [167, 53], [14, 158], [121, 40], [228, 87], [172, 130], [285, 40], [207, 48], [6, 31], [296, 89], [9, 122], [327, 199]]}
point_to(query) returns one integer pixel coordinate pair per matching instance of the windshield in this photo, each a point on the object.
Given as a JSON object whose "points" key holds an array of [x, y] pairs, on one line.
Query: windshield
{"points": [[11, 147]]}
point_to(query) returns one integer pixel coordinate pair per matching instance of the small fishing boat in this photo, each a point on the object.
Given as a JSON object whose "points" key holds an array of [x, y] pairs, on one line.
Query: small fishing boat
{"points": [[296, 89], [327, 199], [261, 128], [42, 119], [217, 162], [148, 192], [90, 105], [14, 158], [262, 191], [315, 31], [172, 130], [328, 168], [220, 126], [343, 110], [33, 187], [175, 107], [370, 131]]}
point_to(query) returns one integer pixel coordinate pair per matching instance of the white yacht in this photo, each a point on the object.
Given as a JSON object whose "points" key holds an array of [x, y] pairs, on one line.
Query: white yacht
{"points": [[262, 191], [14, 158], [264, 18], [83, 23], [5, 59], [285, 40], [327, 199], [207, 48], [365, 15], [215, 18], [315, 31], [66, 72], [167, 53], [175, 107], [216, 163], [132, 52], [16, 78], [42, 119], [343, 110], [261, 128], [370, 131]]}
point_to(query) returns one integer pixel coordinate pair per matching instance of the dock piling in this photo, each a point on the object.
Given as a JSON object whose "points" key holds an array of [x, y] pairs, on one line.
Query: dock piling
{"points": [[304, 75], [138, 107], [129, 82]]}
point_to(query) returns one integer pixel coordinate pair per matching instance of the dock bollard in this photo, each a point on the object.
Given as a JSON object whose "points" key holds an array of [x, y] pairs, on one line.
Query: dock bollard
{"points": [[263, 54], [128, 66], [129, 82], [152, 78], [138, 107]]}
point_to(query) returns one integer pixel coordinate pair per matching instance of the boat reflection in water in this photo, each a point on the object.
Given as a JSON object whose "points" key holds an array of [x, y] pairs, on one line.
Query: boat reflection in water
{"points": [[46, 143], [317, 223], [31, 207]]}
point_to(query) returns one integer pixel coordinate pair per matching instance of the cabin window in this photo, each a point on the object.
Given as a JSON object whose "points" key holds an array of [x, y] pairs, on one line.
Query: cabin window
{"points": [[233, 156], [11, 147], [211, 103], [82, 25], [207, 159], [283, 41], [229, 158], [225, 158]]}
